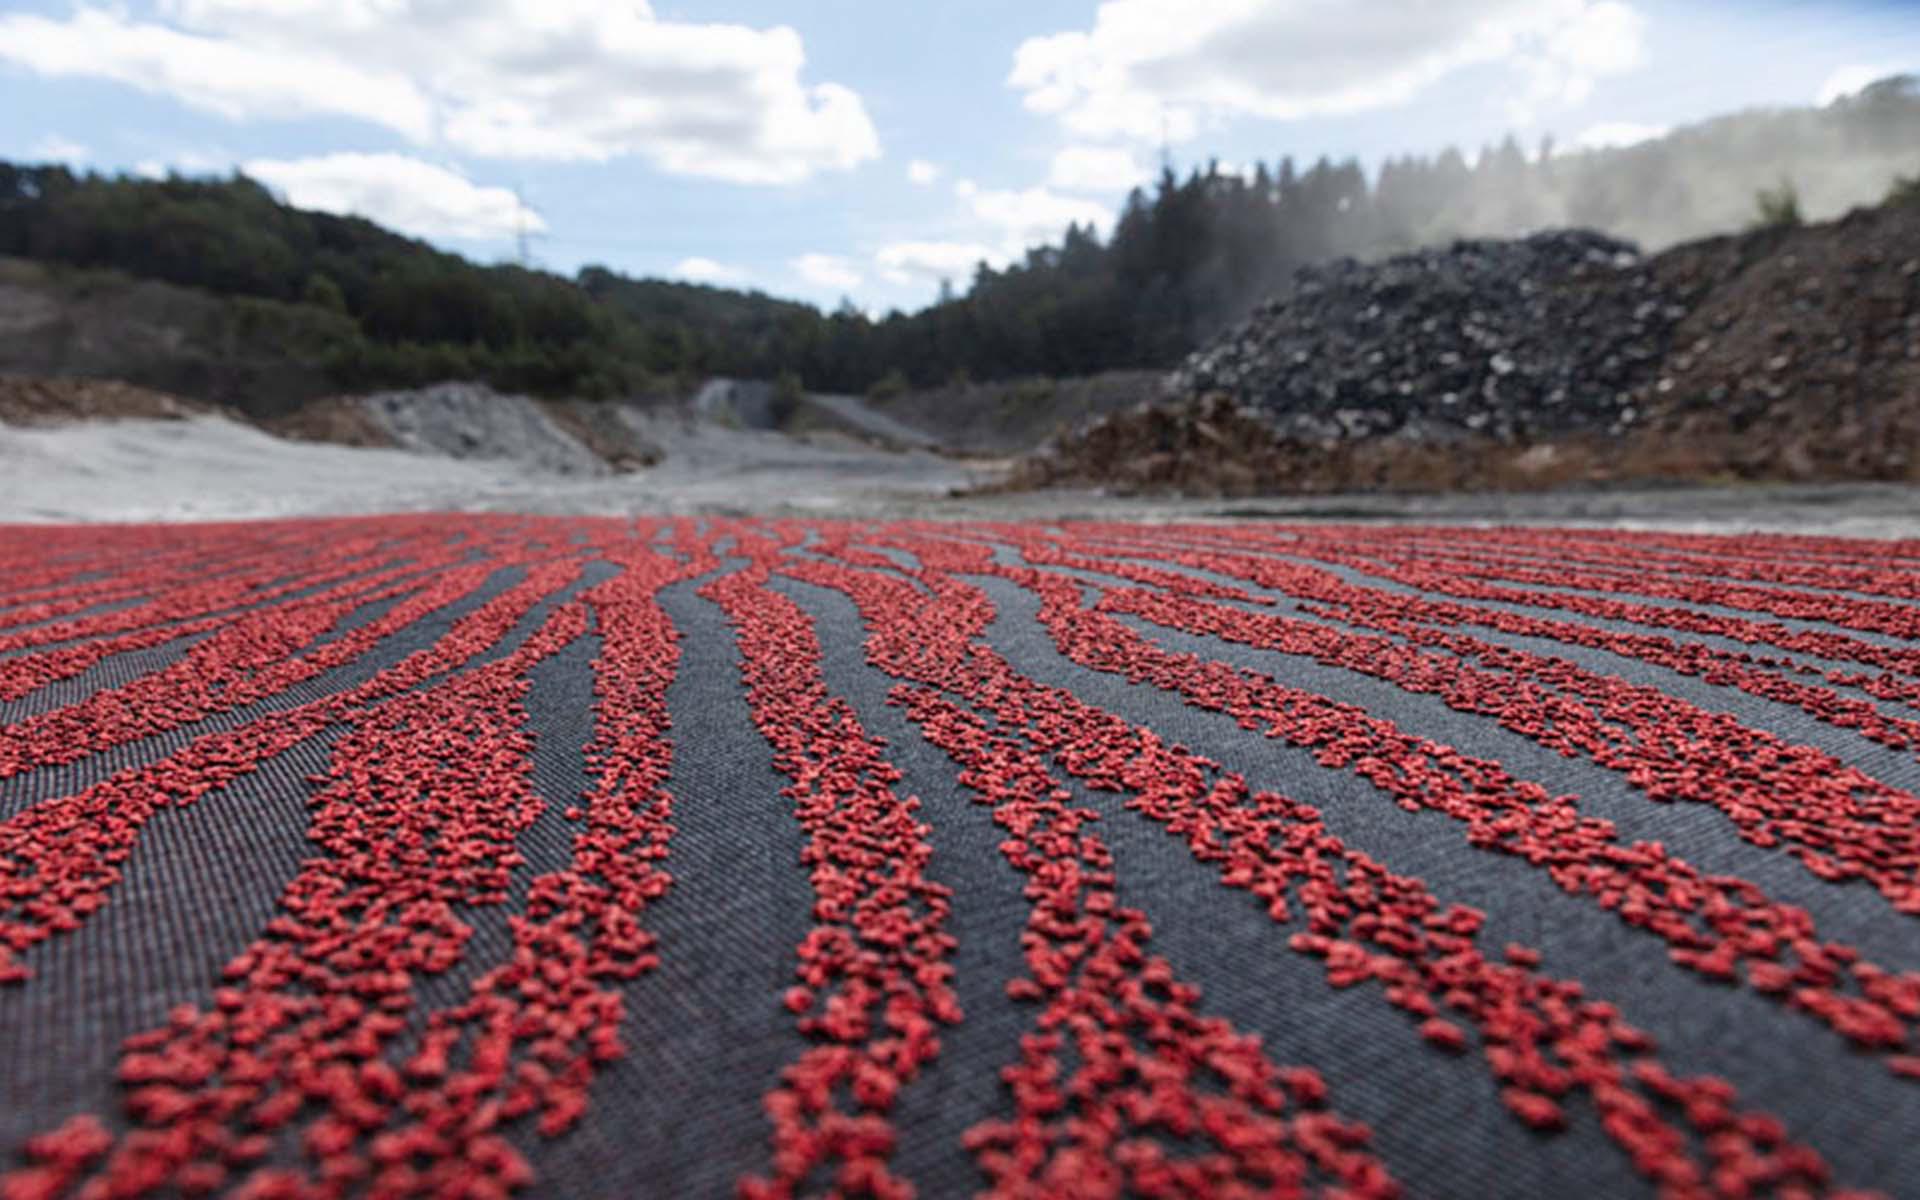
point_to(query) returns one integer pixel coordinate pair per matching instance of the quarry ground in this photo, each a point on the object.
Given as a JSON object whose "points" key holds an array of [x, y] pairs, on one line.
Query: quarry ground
{"points": [[208, 468]]}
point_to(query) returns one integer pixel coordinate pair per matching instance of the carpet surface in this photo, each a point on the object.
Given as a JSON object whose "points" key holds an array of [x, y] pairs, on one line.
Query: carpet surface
{"points": [[485, 856]]}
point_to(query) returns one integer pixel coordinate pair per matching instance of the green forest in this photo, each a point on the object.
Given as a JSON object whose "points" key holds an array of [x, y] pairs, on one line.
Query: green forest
{"points": [[1184, 259]]}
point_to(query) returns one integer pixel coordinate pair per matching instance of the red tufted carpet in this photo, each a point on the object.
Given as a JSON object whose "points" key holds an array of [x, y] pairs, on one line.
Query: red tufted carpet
{"points": [[482, 856]]}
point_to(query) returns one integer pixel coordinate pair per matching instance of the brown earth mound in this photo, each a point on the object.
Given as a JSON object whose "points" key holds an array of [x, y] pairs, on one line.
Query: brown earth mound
{"points": [[1211, 449], [599, 427], [1805, 360], [340, 420], [1798, 358], [42, 402]]}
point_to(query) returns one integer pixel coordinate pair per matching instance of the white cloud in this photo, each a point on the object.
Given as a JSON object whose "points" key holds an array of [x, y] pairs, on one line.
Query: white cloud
{"points": [[216, 74], [1616, 133], [922, 172], [1032, 215], [827, 271], [404, 193], [191, 162], [1847, 80], [932, 262], [1095, 169], [54, 148], [705, 270], [1153, 68], [1001, 224], [1600, 39], [542, 79]]}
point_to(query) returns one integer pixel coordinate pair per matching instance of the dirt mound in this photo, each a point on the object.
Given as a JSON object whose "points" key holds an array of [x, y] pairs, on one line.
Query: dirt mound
{"points": [[338, 420], [1210, 447], [472, 421], [1805, 357], [1784, 353], [1510, 339], [598, 426], [25, 400], [603, 427], [1017, 415]]}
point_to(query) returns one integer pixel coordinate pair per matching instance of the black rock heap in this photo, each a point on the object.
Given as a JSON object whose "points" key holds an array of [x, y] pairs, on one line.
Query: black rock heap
{"points": [[1504, 339]]}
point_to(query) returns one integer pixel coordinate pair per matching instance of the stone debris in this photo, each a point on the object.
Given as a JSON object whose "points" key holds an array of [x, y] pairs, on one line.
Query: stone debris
{"points": [[471, 420], [1506, 339], [1566, 357]]}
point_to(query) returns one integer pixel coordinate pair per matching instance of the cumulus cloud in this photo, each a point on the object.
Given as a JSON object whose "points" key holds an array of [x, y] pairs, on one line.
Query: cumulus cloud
{"points": [[933, 262], [540, 79], [1028, 216], [192, 162], [1561, 66], [1095, 169], [216, 74], [1153, 68], [58, 149], [997, 227], [1847, 80], [922, 172], [404, 193], [1616, 133], [827, 271], [705, 270]]}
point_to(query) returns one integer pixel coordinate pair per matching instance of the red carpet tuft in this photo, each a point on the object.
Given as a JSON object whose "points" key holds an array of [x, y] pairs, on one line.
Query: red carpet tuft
{"points": [[478, 856]]}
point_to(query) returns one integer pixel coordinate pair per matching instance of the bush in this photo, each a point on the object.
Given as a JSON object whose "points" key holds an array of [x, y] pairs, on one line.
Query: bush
{"points": [[890, 386], [1777, 208], [1905, 190], [322, 292], [788, 391], [1030, 392]]}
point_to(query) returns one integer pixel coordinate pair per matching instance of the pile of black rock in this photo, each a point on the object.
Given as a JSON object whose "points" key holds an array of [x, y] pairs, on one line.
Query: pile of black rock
{"points": [[1503, 339]]}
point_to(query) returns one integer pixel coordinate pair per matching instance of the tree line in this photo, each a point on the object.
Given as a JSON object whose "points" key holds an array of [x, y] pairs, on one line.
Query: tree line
{"points": [[1183, 259]]}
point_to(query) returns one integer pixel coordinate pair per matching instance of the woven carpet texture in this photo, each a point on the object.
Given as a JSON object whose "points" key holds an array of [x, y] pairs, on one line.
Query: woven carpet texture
{"points": [[489, 856]]}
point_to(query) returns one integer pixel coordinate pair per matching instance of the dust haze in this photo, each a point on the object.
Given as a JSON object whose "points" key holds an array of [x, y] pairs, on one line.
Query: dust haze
{"points": [[1697, 181]]}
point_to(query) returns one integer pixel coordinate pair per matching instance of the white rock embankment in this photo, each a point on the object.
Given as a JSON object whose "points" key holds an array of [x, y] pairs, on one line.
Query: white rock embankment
{"points": [[472, 421], [210, 468]]}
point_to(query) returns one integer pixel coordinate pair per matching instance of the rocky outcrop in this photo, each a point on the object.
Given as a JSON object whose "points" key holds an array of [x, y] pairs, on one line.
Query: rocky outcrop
{"points": [[1507, 339]]}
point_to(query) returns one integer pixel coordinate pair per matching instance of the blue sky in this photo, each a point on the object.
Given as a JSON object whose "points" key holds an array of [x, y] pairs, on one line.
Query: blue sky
{"points": [[866, 148]]}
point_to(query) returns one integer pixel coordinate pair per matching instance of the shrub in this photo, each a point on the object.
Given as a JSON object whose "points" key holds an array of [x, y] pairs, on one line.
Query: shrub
{"points": [[788, 391], [888, 387], [1777, 208], [321, 291]]}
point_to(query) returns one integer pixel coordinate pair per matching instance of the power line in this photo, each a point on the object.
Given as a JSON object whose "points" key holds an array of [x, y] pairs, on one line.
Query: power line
{"points": [[521, 234]]}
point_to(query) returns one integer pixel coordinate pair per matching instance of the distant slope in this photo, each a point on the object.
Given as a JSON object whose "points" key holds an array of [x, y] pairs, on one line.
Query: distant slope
{"points": [[264, 357], [1182, 261], [862, 418], [394, 310]]}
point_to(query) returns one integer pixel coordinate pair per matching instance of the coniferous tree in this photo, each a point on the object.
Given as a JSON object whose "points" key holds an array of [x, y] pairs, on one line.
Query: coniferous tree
{"points": [[1185, 256]]}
